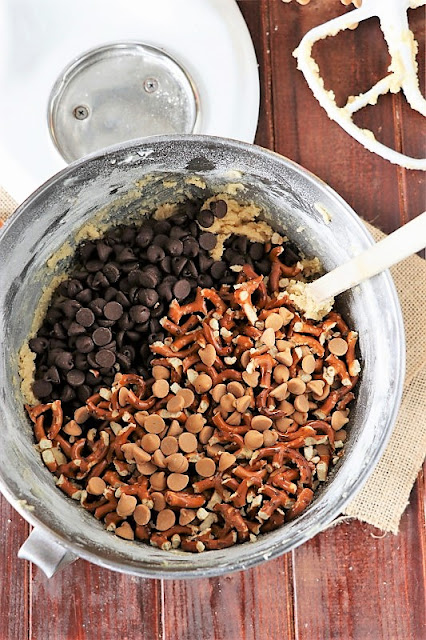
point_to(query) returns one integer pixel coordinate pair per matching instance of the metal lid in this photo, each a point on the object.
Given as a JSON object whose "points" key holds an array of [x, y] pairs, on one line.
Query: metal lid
{"points": [[119, 92]]}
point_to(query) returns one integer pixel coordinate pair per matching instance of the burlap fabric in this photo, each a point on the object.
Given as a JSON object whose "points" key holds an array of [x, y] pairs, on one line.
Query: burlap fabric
{"points": [[383, 499]]}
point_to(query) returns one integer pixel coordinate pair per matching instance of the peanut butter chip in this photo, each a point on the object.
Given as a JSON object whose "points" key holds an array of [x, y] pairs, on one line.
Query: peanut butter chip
{"points": [[146, 468], [186, 516], [218, 392], [165, 520], [243, 403], [177, 481], [142, 514], [283, 424], [280, 392], [308, 364], [338, 346], [226, 460], [140, 417], [316, 386], [208, 355], [205, 467], [169, 445], [261, 423], [81, 415], [285, 357], [158, 500], [160, 388], [268, 337], [227, 402], [286, 315], [195, 423], [177, 463], [126, 505], [234, 419], [175, 404], [187, 442], [125, 531], [270, 438], [253, 440], [296, 386], [160, 373], [150, 442], [205, 434], [281, 373], [158, 481], [158, 459], [274, 321], [301, 404], [236, 389], [286, 407], [96, 486], [123, 396], [252, 379], [338, 419], [203, 383], [188, 397], [154, 424], [72, 428]]}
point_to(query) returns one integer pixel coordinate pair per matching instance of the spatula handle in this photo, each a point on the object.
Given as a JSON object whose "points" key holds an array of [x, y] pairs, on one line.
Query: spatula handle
{"points": [[398, 245]]}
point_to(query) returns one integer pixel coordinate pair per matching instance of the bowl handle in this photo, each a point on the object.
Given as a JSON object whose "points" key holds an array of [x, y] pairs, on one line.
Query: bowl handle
{"points": [[42, 549]]}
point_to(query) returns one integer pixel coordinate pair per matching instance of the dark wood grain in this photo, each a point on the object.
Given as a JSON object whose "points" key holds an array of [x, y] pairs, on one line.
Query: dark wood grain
{"points": [[85, 602], [14, 610], [350, 582]]}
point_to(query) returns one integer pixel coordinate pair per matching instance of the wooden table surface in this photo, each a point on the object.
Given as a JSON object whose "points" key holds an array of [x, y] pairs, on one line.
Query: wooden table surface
{"points": [[349, 582]]}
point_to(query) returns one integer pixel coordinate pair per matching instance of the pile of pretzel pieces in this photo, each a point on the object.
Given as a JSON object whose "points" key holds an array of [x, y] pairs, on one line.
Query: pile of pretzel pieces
{"points": [[232, 435]]}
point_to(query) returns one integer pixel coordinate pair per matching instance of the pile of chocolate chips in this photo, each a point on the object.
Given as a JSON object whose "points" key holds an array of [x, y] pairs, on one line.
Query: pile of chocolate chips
{"points": [[106, 314]]}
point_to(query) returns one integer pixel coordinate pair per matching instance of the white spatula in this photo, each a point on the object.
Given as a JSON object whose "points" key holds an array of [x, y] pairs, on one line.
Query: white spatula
{"points": [[398, 245]]}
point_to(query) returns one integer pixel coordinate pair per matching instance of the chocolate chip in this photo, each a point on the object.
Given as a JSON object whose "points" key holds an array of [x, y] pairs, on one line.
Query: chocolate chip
{"points": [[91, 379], [84, 296], [161, 240], [291, 254], [155, 254], [205, 281], [181, 289], [166, 264], [162, 226], [113, 310], [191, 247], [174, 246], [59, 331], [155, 337], [74, 287], [53, 315], [105, 358], [97, 280], [103, 250], [205, 262], [219, 208], [75, 377], [93, 266], [85, 317], [38, 345], [165, 291], [102, 336], [150, 277], [125, 322], [84, 344], [263, 267], [240, 243], [144, 237], [257, 251], [218, 269], [148, 297], [139, 313], [158, 310], [207, 240], [125, 255], [105, 323], [190, 270], [67, 394], [177, 232], [64, 360], [178, 264], [110, 294], [52, 375], [70, 307], [123, 361], [84, 392], [81, 361], [205, 218], [112, 272], [91, 360], [86, 250]]}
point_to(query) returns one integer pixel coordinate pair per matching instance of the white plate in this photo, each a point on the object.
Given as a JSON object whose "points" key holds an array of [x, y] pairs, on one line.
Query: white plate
{"points": [[39, 39]]}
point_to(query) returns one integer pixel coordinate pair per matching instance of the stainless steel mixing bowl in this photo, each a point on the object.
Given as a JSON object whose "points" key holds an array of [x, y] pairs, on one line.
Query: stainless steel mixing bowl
{"points": [[291, 197]]}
